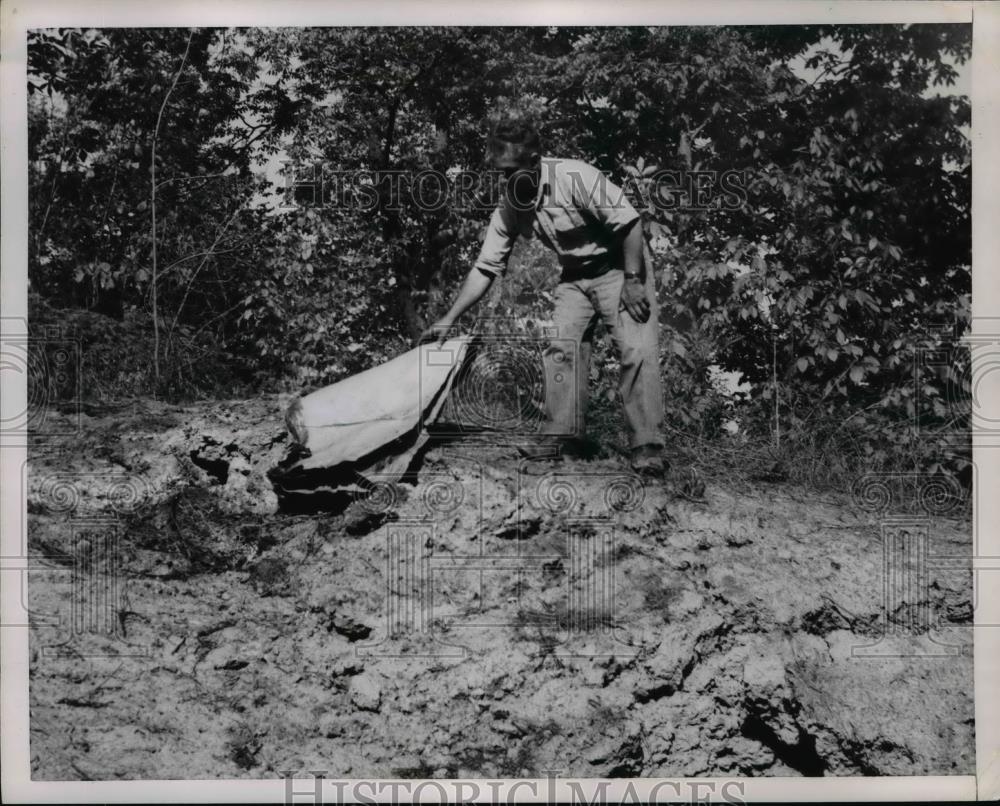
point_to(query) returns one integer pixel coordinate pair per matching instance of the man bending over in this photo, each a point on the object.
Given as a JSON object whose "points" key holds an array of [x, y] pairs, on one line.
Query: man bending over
{"points": [[597, 235]]}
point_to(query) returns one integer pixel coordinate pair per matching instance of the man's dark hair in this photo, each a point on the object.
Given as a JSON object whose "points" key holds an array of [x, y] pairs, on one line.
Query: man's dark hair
{"points": [[515, 133]]}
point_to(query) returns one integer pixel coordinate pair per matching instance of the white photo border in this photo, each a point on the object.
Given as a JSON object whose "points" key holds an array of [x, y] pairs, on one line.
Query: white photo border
{"points": [[17, 16]]}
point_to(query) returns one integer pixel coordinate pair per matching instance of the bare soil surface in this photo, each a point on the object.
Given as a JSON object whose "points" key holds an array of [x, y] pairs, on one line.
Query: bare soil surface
{"points": [[491, 617]]}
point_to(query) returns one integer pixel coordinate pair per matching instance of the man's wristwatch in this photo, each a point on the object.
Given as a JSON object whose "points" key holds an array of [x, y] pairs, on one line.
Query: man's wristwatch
{"points": [[629, 276]]}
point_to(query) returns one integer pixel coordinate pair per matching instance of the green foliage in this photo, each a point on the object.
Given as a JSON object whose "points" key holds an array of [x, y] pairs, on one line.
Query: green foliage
{"points": [[109, 359], [852, 247], [322, 306], [835, 258]]}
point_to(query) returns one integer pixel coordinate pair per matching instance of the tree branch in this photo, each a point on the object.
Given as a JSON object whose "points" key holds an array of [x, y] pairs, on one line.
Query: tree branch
{"points": [[211, 251], [152, 207]]}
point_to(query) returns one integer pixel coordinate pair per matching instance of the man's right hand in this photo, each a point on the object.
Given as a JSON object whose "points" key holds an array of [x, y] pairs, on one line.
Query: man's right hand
{"points": [[436, 333], [634, 300]]}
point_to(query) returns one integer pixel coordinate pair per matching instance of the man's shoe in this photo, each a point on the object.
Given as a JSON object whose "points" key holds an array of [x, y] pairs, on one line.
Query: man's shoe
{"points": [[647, 460]]}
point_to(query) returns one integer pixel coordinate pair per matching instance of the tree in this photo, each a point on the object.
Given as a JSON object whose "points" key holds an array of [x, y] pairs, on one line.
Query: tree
{"points": [[104, 159]]}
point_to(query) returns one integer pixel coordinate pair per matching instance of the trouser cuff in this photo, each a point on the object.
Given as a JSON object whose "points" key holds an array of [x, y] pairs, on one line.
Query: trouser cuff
{"points": [[651, 438]]}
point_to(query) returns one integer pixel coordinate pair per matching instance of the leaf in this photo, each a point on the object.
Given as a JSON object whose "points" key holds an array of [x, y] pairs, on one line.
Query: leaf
{"points": [[679, 349], [802, 364], [857, 373], [832, 354]]}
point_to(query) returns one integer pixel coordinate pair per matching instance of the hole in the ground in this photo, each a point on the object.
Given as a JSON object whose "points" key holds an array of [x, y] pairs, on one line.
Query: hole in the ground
{"points": [[218, 469], [319, 490], [801, 756]]}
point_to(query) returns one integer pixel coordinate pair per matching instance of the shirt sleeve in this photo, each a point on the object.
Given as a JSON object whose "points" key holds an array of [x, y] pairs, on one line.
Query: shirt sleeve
{"points": [[594, 193], [495, 251]]}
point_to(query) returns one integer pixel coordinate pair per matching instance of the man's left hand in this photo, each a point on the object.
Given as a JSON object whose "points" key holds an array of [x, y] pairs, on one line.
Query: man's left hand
{"points": [[634, 300]]}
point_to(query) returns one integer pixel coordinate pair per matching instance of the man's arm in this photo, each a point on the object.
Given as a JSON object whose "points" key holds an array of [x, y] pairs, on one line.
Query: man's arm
{"points": [[634, 299], [476, 284], [608, 204], [632, 251], [492, 262]]}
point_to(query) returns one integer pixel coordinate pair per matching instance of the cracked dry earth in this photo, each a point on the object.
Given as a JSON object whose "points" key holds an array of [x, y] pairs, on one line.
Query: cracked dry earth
{"points": [[494, 618]]}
